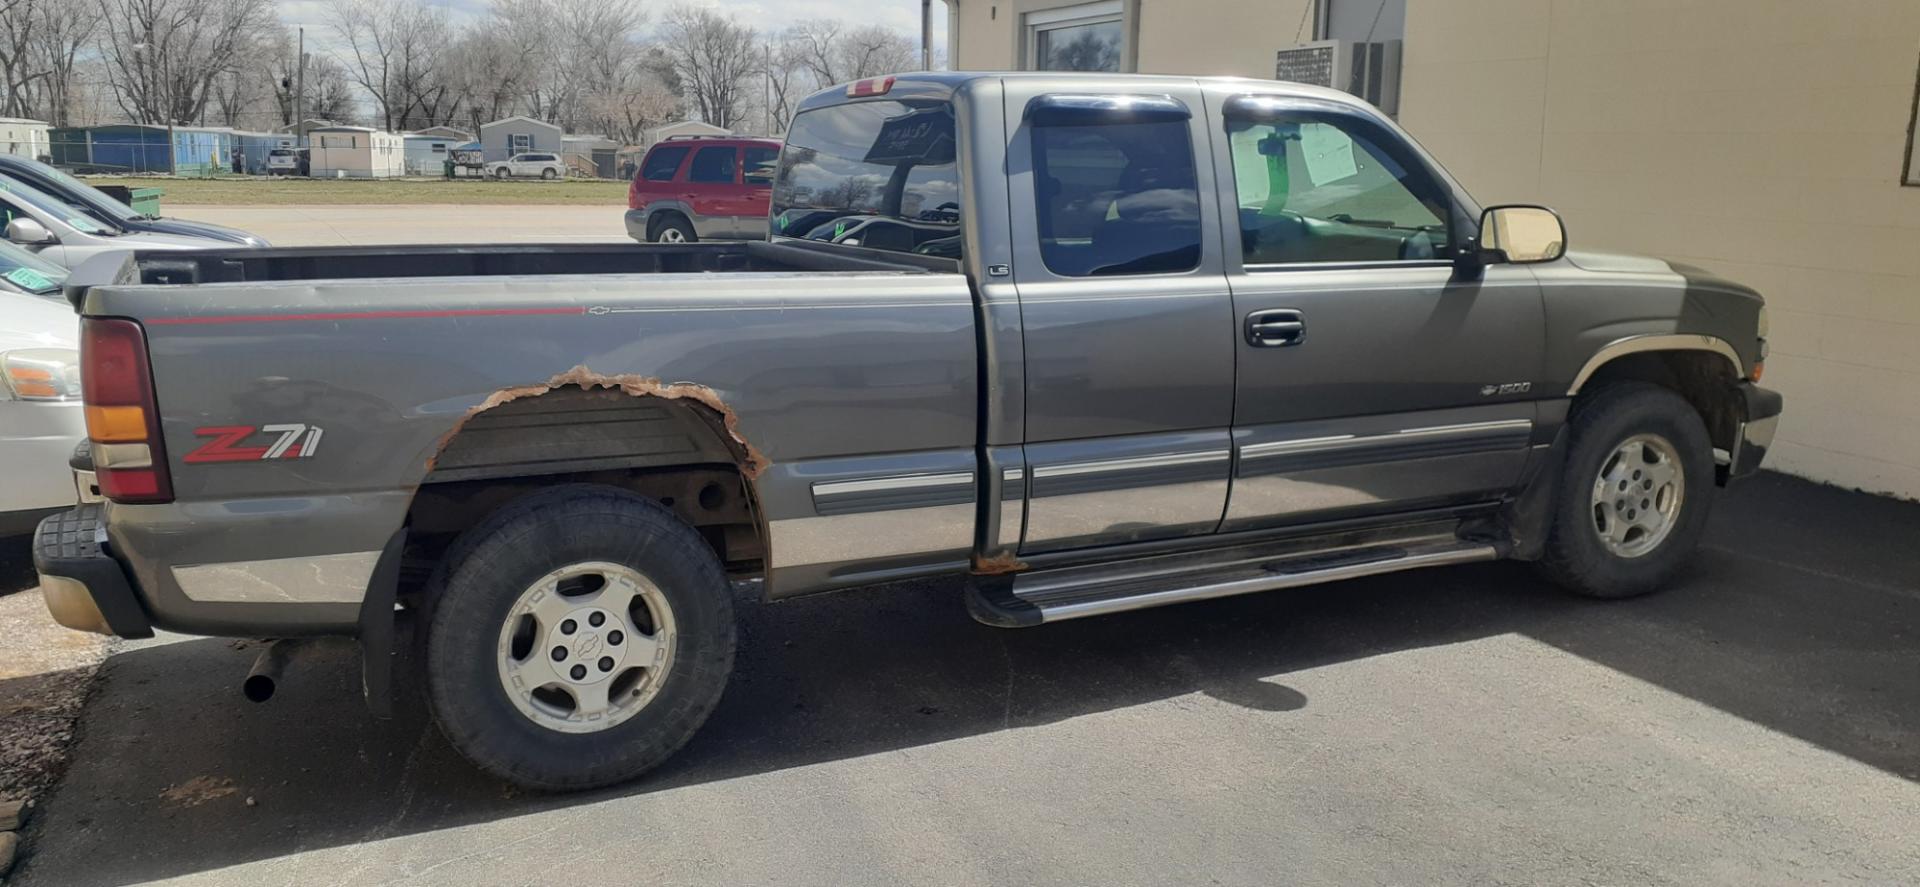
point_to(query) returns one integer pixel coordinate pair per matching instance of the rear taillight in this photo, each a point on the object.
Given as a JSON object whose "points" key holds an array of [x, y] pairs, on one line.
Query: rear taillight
{"points": [[116, 382], [633, 192]]}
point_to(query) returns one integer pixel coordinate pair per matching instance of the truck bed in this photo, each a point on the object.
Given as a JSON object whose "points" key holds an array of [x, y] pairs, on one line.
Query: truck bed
{"points": [[499, 260]]}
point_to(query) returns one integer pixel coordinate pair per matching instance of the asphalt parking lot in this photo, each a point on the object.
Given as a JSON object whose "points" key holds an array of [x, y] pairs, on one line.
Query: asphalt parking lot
{"points": [[1758, 725]]}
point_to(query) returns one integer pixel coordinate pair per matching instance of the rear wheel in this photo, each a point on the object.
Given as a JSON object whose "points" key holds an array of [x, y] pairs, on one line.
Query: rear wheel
{"points": [[673, 229], [549, 174], [1633, 502], [579, 637]]}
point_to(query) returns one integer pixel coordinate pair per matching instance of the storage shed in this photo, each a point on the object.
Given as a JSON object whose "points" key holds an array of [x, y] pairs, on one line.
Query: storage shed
{"points": [[508, 136], [24, 138], [356, 152], [590, 154]]}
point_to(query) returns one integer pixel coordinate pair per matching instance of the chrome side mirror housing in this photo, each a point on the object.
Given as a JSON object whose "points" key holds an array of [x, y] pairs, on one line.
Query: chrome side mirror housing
{"points": [[27, 232], [1521, 234]]}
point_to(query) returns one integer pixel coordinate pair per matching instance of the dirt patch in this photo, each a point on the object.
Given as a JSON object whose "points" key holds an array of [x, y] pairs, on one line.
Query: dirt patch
{"points": [[45, 677], [197, 791]]}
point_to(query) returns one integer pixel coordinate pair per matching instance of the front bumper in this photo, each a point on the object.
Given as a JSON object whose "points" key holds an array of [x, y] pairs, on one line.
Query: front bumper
{"points": [[1760, 419], [85, 588]]}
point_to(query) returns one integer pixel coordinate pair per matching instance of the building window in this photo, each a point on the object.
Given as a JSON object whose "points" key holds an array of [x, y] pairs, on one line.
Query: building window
{"points": [[520, 142], [1087, 37]]}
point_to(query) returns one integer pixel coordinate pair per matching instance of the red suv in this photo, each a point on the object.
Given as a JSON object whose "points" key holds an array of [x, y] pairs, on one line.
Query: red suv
{"points": [[702, 188]]}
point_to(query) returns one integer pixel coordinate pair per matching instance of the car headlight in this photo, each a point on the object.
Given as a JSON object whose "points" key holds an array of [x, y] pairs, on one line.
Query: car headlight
{"points": [[42, 374]]}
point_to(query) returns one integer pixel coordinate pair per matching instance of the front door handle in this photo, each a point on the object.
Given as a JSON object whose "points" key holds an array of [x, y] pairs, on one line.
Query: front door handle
{"points": [[1276, 328]]}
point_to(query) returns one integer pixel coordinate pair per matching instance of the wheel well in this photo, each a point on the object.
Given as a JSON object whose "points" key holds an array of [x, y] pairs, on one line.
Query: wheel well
{"points": [[1703, 378], [677, 452], [660, 218]]}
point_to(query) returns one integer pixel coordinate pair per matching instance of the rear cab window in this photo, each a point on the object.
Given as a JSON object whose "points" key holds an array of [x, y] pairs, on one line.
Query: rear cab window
{"points": [[878, 174], [1116, 197], [662, 163]]}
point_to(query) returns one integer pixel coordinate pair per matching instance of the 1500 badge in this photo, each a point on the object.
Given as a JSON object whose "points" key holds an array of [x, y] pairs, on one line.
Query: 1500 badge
{"points": [[230, 443], [1506, 388]]}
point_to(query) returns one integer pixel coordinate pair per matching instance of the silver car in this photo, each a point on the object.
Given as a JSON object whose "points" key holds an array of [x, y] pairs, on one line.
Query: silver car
{"points": [[40, 412], [56, 231]]}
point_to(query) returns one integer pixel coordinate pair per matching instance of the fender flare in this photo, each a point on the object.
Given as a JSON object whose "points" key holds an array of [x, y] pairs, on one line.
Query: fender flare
{"points": [[1622, 347]]}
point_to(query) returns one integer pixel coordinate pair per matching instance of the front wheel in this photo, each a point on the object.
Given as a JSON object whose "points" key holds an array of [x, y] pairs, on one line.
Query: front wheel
{"points": [[500, 174], [579, 637], [1632, 504]]}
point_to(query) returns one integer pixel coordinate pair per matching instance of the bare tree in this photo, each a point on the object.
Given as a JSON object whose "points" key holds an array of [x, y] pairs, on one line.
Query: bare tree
{"points": [[66, 30], [395, 51], [163, 56], [834, 53], [716, 57]]}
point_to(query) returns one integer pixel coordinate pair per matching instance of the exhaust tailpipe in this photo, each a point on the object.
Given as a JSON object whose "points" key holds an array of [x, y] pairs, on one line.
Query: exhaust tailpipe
{"points": [[264, 678]]}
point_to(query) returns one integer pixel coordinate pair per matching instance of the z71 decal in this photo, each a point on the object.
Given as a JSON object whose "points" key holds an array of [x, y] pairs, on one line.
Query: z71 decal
{"points": [[291, 441]]}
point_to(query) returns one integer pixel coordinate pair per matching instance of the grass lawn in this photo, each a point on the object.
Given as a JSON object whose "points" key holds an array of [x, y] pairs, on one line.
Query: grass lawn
{"points": [[257, 190]]}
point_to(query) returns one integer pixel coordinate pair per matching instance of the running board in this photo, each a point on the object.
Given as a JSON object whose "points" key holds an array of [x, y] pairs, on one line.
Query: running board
{"points": [[1134, 584]]}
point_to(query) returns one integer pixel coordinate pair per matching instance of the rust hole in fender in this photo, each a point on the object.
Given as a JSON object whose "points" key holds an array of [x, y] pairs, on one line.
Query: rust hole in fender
{"points": [[752, 462]]}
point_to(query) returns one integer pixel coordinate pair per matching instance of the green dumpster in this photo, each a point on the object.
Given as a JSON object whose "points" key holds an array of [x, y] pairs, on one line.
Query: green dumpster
{"points": [[145, 201]]}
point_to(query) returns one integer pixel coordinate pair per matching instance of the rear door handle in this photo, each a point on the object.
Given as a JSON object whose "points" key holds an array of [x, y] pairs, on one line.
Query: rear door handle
{"points": [[1276, 328]]}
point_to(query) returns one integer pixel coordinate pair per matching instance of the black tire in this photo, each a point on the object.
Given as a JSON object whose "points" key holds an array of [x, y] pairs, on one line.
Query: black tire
{"points": [[484, 574], [673, 223], [500, 174], [1577, 557], [548, 174]]}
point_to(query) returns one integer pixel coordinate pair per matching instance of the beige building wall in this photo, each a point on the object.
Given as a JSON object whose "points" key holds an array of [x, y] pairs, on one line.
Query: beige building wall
{"points": [[1762, 139], [1227, 37]]}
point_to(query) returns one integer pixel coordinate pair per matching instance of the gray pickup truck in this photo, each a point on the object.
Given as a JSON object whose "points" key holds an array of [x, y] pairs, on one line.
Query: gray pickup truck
{"points": [[1094, 343]]}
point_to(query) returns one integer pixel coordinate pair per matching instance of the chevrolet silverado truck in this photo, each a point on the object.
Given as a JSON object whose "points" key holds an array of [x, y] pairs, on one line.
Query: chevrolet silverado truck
{"points": [[1094, 343]]}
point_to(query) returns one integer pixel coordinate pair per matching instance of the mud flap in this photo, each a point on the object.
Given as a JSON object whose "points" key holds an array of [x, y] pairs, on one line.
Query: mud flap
{"points": [[376, 629], [1528, 517]]}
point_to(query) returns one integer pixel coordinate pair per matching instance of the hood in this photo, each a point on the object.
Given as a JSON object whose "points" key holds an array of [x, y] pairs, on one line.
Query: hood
{"points": [[1616, 263], [136, 240], [37, 322], [205, 230]]}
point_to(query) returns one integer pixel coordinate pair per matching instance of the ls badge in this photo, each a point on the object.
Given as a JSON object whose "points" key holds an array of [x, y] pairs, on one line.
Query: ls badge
{"points": [[1506, 388], [290, 441]]}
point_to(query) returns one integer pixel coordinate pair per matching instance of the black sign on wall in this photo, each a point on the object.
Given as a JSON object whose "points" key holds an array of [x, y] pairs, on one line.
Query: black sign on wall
{"points": [[1305, 64]]}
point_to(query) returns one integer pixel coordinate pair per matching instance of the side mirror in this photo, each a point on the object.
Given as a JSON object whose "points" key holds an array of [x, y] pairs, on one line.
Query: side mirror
{"points": [[28, 232], [1521, 234]]}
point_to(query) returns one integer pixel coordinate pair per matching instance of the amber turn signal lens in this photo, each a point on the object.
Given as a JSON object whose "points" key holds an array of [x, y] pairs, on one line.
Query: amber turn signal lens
{"points": [[32, 382], [116, 424]]}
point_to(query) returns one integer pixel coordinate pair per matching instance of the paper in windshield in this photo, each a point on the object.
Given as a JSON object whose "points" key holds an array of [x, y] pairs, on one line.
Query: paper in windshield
{"points": [[1328, 153]]}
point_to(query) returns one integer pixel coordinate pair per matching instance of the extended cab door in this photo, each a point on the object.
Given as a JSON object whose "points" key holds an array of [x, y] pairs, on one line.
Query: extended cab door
{"points": [[1127, 320], [1371, 377]]}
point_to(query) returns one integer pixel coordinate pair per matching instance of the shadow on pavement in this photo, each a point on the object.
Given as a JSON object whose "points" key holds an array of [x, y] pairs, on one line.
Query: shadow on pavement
{"points": [[1801, 616]]}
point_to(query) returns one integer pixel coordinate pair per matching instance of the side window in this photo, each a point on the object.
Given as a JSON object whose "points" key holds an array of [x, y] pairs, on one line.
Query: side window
{"points": [[1314, 188], [713, 165], [1116, 198], [761, 163], [662, 164]]}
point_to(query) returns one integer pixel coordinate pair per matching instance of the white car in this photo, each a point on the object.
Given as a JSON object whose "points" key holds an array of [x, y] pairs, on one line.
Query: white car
{"points": [[536, 164], [57, 232], [40, 412]]}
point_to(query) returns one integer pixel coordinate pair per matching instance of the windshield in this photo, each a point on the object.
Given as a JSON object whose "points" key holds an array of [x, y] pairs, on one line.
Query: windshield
{"points": [[80, 195], [59, 209], [29, 273], [875, 174]]}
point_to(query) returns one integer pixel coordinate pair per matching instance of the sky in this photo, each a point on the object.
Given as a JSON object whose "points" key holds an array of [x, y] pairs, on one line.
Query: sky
{"points": [[765, 15]]}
